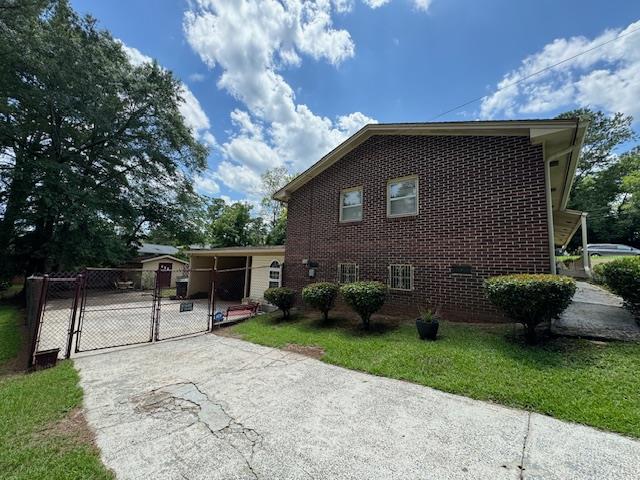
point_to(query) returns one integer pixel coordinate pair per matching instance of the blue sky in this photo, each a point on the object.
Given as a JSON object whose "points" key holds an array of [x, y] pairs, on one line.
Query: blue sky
{"points": [[279, 83]]}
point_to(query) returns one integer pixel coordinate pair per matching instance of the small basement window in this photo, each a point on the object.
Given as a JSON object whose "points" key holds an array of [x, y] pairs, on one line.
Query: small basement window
{"points": [[402, 197], [348, 272], [462, 269], [400, 277], [351, 204]]}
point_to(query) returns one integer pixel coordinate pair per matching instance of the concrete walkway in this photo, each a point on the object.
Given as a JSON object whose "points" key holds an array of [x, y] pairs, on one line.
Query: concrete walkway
{"points": [[597, 313], [210, 407]]}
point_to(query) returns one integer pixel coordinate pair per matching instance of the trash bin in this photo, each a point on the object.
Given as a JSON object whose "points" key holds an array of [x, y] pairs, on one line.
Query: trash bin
{"points": [[181, 287]]}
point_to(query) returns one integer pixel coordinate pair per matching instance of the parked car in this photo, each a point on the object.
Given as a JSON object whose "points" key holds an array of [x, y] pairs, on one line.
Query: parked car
{"points": [[604, 249]]}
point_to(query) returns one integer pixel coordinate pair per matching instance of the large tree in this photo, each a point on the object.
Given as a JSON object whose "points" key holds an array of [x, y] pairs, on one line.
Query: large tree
{"points": [[231, 225], [600, 187], [93, 150], [272, 181]]}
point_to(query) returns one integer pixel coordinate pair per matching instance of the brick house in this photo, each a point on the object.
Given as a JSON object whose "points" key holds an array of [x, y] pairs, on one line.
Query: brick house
{"points": [[433, 209]]}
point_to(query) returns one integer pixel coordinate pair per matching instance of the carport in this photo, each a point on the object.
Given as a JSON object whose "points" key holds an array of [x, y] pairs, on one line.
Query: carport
{"points": [[241, 273]]}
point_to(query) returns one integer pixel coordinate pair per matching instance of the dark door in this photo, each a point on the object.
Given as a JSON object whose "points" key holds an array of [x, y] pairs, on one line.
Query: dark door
{"points": [[164, 275]]}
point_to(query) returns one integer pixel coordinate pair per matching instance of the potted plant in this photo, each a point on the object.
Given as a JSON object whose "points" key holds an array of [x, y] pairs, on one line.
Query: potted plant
{"points": [[427, 324]]}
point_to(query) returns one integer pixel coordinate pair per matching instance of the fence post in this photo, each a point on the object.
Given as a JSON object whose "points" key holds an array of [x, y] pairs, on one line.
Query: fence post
{"points": [[212, 297], [74, 312], [155, 311], [37, 323]]}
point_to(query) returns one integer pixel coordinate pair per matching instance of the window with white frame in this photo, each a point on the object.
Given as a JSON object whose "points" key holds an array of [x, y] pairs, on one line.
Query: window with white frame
{"points": [[351, 204], [348, 272], [402, 197], [400, 277], [275, 274]]}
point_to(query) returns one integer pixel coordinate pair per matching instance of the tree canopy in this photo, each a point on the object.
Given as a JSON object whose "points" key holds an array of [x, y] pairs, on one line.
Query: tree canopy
{"points": [[93, 150], [606, 184]]}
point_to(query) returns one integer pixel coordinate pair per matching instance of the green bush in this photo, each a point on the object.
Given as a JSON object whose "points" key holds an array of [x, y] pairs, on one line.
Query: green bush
{"points": [[622, 276], [365, 298], [281, 297], [530, 299], [321, 296]]}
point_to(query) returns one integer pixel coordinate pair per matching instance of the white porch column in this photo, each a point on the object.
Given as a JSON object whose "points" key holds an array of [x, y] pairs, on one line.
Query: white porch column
{"points": [[552, 244], [586, 259], [246, 278]]}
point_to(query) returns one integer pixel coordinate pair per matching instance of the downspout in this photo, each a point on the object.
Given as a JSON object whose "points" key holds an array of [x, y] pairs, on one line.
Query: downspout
{"points": [[547, 185]]}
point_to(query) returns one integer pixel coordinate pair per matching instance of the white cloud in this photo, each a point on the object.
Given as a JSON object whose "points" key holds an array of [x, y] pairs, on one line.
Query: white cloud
{"points": [[375, 3], [206, 184], [197, 77], [272, 129], [607, 78], [190, 108], [422, 4]]}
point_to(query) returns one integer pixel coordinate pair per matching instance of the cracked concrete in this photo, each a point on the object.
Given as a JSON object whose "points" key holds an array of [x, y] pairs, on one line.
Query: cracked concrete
{"points": [[211, 407]]}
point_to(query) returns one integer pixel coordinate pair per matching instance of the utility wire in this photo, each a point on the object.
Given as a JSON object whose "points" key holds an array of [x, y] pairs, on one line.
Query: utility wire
{"points": [[536, 73]]}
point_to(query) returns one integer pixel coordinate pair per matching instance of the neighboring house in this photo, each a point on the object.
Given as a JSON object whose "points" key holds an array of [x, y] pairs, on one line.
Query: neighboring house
{"points": [[433, 209], [161, 258], [241, 272]]}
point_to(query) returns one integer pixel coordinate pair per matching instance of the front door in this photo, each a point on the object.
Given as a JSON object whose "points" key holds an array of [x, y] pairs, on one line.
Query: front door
{"points": [[164, 275]]}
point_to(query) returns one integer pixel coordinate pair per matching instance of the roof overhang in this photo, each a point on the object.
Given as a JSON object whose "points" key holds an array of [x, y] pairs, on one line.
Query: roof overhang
{"points": [[565, 225], [561, 138], [238, 251]]}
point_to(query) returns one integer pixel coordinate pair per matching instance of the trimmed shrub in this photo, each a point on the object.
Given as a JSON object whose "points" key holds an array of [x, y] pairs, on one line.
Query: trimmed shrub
{"points": [[321, 296], [622, 276], [281, 297], [365, 298], [530, 299]]}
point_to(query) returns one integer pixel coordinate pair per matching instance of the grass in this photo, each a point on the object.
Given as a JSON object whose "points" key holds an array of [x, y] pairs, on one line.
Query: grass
{"points": [[606, 259], [10, 338], [11, 292], [577, 380], [41, 434]]}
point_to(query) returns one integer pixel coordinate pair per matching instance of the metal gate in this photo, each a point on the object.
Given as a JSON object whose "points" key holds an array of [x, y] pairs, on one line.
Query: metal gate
{"points": [[107, 308], [129, 307], [117, 308], [177, 313]]}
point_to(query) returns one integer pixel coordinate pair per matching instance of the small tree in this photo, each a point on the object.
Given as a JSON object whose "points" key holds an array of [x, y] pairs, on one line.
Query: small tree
{"points": [[281, 297], [531, 299], [623, 278], [321, 296], [365, 298]]}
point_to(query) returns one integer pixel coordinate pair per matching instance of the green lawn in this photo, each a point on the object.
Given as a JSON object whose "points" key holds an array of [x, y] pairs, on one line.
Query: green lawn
{"points": [[10, 337], [39, 438], [605, 259], [587, 382]]}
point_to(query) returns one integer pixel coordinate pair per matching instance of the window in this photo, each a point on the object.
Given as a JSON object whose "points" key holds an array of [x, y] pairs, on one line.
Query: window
{"points": [[275, 274], [348, 273], [400, 277], [351, 205], [402, 197]]}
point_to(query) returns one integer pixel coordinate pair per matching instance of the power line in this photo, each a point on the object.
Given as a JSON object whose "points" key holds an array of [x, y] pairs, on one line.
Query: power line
{"points": [[535, 73]]}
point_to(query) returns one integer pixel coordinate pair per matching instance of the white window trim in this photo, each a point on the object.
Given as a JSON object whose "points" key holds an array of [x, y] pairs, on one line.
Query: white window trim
{"points": [[347, 190], [417, 196], [356, 272], [274, 269], [411, 277]]}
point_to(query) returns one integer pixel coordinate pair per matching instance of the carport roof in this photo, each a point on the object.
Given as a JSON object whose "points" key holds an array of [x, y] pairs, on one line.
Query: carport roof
{"points": [[238, 251]]}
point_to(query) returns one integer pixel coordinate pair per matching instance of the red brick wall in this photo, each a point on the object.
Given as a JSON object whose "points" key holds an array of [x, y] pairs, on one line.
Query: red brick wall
{"points": [[481, 203]]}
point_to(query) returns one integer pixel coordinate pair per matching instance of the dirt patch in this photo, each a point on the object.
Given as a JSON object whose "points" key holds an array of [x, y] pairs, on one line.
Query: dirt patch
{"points": [[73, 430], [307, 350], [226, 332]]}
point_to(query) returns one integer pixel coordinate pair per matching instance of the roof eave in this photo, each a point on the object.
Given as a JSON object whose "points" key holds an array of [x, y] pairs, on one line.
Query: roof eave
{"points": [[499, 127]]}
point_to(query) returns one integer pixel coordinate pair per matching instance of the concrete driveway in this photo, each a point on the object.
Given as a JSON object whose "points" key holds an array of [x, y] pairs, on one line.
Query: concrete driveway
{"points": [[211, 407]]}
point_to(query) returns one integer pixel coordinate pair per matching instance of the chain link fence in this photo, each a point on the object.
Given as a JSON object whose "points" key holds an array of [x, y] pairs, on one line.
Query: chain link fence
{"points": [[100, 308]]}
